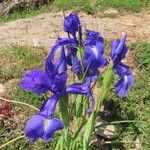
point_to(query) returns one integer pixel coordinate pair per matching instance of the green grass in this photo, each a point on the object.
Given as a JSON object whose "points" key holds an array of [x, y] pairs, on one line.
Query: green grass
{"points": [[87, 6], [17, 59], [94, 6], [84, 5], [142, 55], [134, 5]]}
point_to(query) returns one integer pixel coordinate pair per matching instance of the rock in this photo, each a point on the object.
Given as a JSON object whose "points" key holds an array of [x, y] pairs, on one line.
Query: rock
{"points": [[105, 131], [111, 11], [8, 6]]}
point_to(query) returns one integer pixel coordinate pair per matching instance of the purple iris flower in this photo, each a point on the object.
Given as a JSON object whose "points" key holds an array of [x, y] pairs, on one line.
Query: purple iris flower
{"points": [[118, 52], [126, 80], [61, 42], [92, 37], [94, 55], [94, 50], [72, 24], [43, 124], [52, 80]]}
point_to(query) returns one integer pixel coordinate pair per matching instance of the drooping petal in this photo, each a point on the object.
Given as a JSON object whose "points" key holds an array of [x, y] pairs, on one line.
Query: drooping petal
{"points": [[121, 69], [91, 76], [36, 81], [95, 50], [34, 127], [71, 54], [41, 127], [50, 127], [78, 88], [124, 84], [119, 50], [92, 105], [60, 42], [48, 107]]}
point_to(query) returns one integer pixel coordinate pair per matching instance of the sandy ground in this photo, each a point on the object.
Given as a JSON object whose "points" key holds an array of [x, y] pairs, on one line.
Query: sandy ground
{"points": [[43, 30]]}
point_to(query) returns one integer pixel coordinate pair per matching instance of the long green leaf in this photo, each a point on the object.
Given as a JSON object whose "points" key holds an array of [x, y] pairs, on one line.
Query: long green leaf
{"points": [[63, 108]]}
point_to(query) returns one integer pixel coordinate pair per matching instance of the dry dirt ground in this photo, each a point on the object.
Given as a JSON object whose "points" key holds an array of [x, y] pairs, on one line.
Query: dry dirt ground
{"points": [[44, 29]]}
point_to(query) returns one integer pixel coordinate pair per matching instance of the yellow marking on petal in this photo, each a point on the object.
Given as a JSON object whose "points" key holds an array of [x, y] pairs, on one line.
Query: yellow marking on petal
{"points": [[46, 123]]}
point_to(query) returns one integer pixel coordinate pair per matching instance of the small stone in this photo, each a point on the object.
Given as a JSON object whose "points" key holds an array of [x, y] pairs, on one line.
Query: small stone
{"points": [[3, 90], [111, 11], [137, 144]]}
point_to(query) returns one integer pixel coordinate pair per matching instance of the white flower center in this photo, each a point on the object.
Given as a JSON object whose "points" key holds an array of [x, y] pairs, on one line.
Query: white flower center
{"points": [[125, 79], [94, 49]]}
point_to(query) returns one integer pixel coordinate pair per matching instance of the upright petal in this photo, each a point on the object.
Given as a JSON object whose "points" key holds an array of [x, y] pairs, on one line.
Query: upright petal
{"points": [[119, 50], [61, 64], [50, 68], [76, 67], [59, 82], [36, 81], [93, 37], [72, 24]]}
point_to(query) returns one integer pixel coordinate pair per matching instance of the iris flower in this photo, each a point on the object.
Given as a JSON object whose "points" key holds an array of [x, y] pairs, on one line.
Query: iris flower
{"points": [[72, 24], [94, 50], [118, 52], [43, 124], [53, 78]]}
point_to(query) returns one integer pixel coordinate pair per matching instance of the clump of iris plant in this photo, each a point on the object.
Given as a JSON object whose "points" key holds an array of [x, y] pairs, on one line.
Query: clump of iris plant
{"points": [[80, 54]]}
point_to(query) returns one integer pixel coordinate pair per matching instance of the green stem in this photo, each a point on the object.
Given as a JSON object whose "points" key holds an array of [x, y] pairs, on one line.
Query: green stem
{"points": [[127, 121], [11, 141]]}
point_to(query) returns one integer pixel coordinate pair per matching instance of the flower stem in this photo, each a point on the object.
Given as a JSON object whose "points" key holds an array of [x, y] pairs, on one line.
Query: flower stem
{"points": [[17, 102], [11, 141]]}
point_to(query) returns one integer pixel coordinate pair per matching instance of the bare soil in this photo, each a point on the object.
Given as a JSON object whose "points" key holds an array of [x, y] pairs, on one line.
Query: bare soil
{"points": [[43, 30]]}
